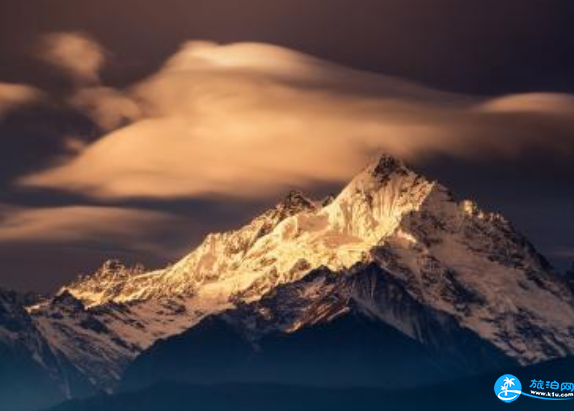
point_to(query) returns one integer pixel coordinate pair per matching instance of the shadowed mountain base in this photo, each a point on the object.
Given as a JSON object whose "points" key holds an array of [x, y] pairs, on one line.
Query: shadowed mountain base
{"points": [[469, 394]]}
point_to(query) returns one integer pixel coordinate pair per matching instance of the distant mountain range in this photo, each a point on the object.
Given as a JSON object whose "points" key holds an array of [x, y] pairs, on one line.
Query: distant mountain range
{"points": [[392, 283]]}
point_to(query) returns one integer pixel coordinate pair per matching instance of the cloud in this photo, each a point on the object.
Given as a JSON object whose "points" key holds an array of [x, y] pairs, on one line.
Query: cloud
{"points": [[16, 95], [76, 53], [89, 225], [541, 103], [249, 120], [107, 107], [73, 144], [82, 57]]}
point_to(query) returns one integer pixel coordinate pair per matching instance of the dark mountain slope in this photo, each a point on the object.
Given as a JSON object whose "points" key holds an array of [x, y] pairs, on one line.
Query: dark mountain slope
{"points": [[339, 329], [472, 394]]}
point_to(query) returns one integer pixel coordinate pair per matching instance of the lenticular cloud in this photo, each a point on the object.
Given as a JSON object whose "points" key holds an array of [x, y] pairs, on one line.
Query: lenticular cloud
{"points": [[247, 120]]}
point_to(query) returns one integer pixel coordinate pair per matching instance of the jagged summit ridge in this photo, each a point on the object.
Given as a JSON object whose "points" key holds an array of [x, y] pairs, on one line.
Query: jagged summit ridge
{"points": [[105, 284], [296, 233], [386, 166], [295, 201]]}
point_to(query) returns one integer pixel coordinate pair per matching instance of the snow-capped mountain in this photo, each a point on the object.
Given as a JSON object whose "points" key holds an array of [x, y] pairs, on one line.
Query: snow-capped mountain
{"points": [[448, 257], [453, 256], [101, 340], [28, 360]]}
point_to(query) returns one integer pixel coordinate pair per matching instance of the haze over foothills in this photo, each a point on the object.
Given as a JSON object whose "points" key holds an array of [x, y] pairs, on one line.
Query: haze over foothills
{"points": [[134, 135]]}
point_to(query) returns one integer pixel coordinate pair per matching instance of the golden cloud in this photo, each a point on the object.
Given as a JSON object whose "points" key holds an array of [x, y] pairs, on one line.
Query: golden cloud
{"points": [[82, 224], [15, 95], [559, 104], [248, 120], [76, 53], [107, 107]]}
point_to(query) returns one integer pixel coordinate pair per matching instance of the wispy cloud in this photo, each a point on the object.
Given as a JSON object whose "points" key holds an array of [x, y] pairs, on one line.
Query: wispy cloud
{"points": [[120, 226], [247, 120], [76, 53], [557, 104], [16, 95], [107, 107], [82, 58]]}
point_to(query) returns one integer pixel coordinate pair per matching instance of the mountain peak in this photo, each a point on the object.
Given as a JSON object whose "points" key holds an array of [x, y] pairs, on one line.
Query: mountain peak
{"points": [[378, 175], [385, 166], [296, 201], [66, 300], [296, 198], [447, 257]]}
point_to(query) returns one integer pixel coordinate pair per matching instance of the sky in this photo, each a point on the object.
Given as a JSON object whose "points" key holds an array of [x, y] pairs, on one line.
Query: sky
{"points": [[130, 129]]}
